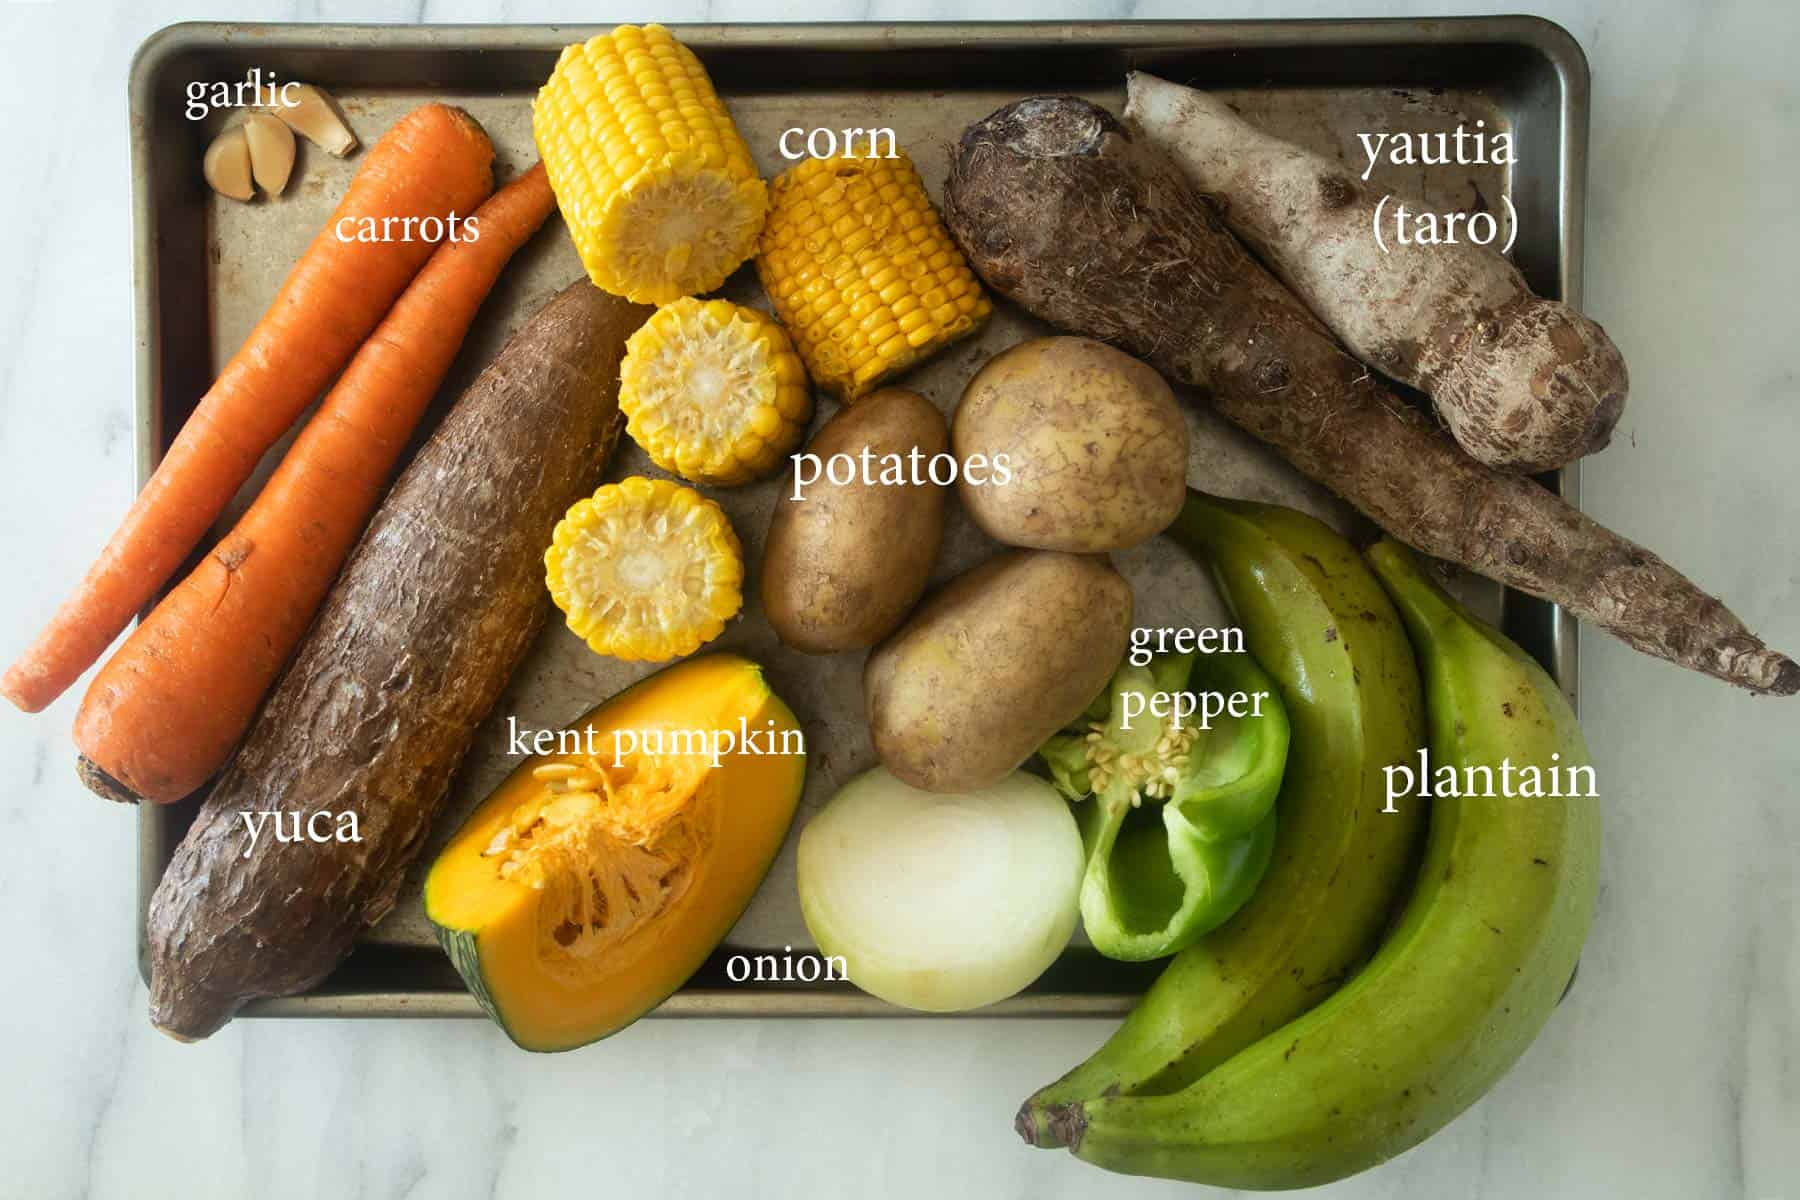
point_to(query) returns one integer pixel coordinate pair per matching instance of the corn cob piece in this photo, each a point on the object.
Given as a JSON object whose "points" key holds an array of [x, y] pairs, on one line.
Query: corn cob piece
{"points": [[862, 271], [654, 182], [646, 570], [714, 392]]}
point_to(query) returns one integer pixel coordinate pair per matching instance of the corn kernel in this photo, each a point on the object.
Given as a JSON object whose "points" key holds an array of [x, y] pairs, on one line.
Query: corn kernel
{"points": [[654, 182], [861, 270], [646, 570], [714, 392]]}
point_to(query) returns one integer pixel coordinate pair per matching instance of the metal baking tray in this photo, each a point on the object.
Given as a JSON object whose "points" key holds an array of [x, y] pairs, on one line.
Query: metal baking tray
{"points": [[205, 269]]}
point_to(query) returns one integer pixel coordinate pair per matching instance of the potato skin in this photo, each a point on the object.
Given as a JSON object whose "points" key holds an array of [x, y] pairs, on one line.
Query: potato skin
{"points": [[1094, 440], [991, 665], [843, 567]]}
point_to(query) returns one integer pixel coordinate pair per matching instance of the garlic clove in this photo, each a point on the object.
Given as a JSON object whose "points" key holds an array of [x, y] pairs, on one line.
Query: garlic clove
{"points": [[227, 165], [271, 152], [314, 116]]}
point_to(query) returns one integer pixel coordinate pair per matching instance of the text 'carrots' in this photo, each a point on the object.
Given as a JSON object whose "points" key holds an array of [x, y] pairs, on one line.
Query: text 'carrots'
{"points": [[166, 710], [436, 161]]}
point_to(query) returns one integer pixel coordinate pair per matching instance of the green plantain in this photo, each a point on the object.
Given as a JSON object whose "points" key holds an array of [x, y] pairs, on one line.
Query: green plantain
{"points": [[1318, 623], [1472, 971]]}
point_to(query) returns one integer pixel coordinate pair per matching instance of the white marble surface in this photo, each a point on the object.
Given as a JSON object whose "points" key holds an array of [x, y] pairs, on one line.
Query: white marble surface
{"points": [[1673, 1071]]}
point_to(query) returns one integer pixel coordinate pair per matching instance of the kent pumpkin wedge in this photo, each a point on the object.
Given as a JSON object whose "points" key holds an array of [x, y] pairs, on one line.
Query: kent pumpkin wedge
{"points": [[589, 886]]}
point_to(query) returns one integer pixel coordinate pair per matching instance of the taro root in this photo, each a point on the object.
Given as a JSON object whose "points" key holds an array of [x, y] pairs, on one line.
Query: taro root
{"points": [[1063, 210]]}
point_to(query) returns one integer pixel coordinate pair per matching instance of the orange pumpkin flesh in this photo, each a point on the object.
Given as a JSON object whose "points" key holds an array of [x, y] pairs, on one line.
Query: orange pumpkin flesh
{"points": [[578, 897]]}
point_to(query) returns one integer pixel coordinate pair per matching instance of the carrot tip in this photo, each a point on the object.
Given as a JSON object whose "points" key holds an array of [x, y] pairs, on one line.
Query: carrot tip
{"points": [[101, 784]]}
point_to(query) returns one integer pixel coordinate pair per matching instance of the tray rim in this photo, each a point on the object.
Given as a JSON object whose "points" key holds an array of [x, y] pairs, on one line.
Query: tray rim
{"points": [[1551, 42]]}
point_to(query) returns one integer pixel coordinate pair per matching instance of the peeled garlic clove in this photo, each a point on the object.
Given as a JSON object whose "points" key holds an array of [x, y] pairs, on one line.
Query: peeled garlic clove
{"points": [[271, 152], [227, 165], [314, 116]]}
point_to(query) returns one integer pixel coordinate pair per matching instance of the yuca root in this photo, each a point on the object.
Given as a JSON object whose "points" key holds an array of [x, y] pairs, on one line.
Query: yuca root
{"points": [[1522, 383], [1061, 210], [430, 616]]}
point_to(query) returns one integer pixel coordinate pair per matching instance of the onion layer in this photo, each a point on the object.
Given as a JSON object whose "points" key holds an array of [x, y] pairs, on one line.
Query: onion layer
{"points": [[941, 902]]}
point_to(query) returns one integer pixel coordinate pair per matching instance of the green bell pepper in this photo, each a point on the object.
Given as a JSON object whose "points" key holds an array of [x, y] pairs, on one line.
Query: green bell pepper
{"points": [[1181, 823]]}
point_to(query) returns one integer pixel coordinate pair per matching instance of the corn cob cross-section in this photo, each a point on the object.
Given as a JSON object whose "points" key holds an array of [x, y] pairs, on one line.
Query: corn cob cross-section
{"points": [[713, 391], [646, 570], [862, 271], [654, 182]]}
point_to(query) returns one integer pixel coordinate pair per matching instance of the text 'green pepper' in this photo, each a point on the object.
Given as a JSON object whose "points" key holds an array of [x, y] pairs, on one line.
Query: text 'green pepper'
{"points": [[1181, 822]]}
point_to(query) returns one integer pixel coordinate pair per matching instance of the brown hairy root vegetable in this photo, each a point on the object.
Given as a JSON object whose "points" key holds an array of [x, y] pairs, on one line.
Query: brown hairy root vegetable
{"points": [[432, 613], [1522, 383], [1058, 207]]}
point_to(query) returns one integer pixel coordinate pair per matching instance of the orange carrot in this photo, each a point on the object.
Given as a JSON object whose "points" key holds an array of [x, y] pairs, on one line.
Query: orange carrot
{"points": [[166, 710], [434, 162]]}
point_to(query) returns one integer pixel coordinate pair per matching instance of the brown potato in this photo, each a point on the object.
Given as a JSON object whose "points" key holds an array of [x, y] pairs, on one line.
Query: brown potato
{"points": [[844, 565], [1093, 439], [993, 664]]}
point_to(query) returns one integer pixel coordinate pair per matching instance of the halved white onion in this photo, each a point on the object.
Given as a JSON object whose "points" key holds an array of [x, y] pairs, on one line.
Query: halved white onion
{"points": [[942, 902]]}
